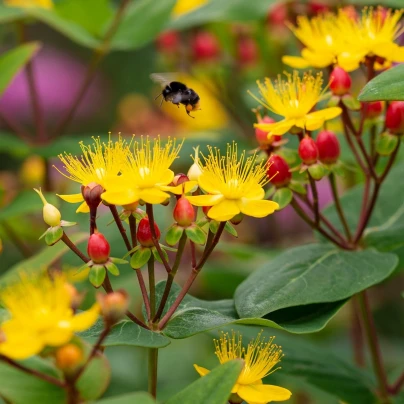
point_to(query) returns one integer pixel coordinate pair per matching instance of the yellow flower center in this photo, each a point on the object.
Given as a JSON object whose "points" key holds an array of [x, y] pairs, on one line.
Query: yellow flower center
{"points": [[259, 358]]}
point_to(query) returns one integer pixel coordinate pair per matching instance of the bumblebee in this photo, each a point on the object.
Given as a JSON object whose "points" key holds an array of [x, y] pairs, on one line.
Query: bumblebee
{"points": [[176, 93]]}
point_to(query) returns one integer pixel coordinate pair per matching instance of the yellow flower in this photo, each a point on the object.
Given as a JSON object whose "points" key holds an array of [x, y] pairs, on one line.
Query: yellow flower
{"points": [[233, 185], [40, 315], [146, 174], [293, 99], [259, 359], [99, 162], [29, 3], [186, 6]]}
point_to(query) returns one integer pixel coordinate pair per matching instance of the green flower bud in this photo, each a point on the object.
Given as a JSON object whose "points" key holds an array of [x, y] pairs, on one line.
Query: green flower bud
{"points": [[51, 214]]}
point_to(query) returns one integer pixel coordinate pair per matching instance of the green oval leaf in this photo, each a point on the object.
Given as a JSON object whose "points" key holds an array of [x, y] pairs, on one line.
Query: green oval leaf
{"points": [[53, 235], [196, 234], [174, 234], [140, 257], [283, 196], [97, 275]]}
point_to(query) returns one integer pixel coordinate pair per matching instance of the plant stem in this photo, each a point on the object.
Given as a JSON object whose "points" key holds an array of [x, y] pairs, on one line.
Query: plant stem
{"points": [[33, 372], [144, 292], [92, 68], [153, 360], [132, 226], [171, 276], [152, 286], [119, 224], [315, 200], [357, 334], [150, 214], [193, 253], [93, 219], [397, 386], [338, 206], [373, 342], [73, 247]]}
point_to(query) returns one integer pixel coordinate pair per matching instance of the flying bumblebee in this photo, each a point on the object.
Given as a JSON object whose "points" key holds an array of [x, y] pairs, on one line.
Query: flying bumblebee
{"points": [[176, 92]]}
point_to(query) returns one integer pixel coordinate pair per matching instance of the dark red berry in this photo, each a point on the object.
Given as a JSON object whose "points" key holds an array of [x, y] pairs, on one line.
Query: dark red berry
{"points": [[278, 171], [205, 46], [144, 235], [308, 151], [340, 81], [247, 51], [168, 41], [184, 213], [372, 109], [328, 147], [98, 248], [395, 117]]}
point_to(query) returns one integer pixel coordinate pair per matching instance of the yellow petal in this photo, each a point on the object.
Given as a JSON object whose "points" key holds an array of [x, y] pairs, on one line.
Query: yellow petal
{"points": [[202, 371], [83, 208], [153, 195], [85, 319], [208, 182], [205, 200], [318, 59], [256, 208], [281, 127], [57, 335], [121, 197], [295, 61], [73, 198], [180, 189], [350, 61], [224, 210], [235, 388], [316, 119], [263, 393], [166, 177], [398, 55], [255, 192]]}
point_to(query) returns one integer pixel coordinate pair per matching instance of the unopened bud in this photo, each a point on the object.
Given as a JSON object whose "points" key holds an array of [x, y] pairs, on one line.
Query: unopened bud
{"points": [[92, 194], [144, 235], [184, 213], [51, 214], [372, 109], [237, 219], [262, 135], [113, 305], [69, 357], [278, 171], [340, 81], [308, 151], [247, 51], [180, 179], [195, 170], [98, 248], [328, 147], [76, 297], [395, 117]]}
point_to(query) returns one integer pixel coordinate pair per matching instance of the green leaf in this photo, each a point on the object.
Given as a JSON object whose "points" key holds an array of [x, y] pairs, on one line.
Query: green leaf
{"points": [[53, 235], [12, 61], [131, 398], [112, 268], [298, 187], [283, 196], [8, 14], [219, 10], [39, 262], [311, 274], [174, 234], [142, 22], [214, 388], [388, 86], [213, 226], [97, 275], [196, 234], [125, 333], [140, 257], [230, 229]]}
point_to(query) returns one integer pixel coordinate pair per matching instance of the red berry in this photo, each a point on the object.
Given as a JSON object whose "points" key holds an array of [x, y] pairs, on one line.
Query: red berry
{"points": [[395, 117], [261, 135], [168, 41], [372, 109], [340, 81], [328, 147], [144, 235], [184, 213], [205, 210], [205, 46], [247, 52], [98, 248], [308, 151], [278, 14], [278, 171]]}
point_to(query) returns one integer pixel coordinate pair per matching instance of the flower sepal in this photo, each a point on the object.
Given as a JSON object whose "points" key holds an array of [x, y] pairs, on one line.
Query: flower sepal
{"points": [[174, 234], [333, 101], [317, 171], [196, 234], [298, 187], [97, 275], [283, 197], [351, 102], [65, 223], [52, 235], [386, 143], [140, 257]]}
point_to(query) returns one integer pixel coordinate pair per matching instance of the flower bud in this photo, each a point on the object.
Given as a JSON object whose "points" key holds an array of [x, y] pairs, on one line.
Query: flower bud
{"points": [[180, 179], [92, 194], [205, 46], [261, 135], [168, 41], [51, 214], [278, 171], [195, 170], [76, 298], [113, 305], [372, 109], [308, 151], [395, 117], [184, 213], [98, 248], [237, 219], [144, 235], [340, 81], [69, 357], [328, 147], [247, 52]]}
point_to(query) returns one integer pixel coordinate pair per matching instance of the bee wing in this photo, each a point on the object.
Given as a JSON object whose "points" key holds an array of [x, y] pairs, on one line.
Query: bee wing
{"points": [[163, 78]]}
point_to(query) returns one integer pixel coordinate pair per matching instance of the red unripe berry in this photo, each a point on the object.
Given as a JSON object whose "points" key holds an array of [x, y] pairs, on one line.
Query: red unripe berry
{"points": [[372, 109], [278, 171], [328, 147], [308, 151], [247, 52], [261, 135], [98, 248], [205, 46], [278, 14], [395, 117], [340, 81], [144, 235], [168, 41], [184, 213]]}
